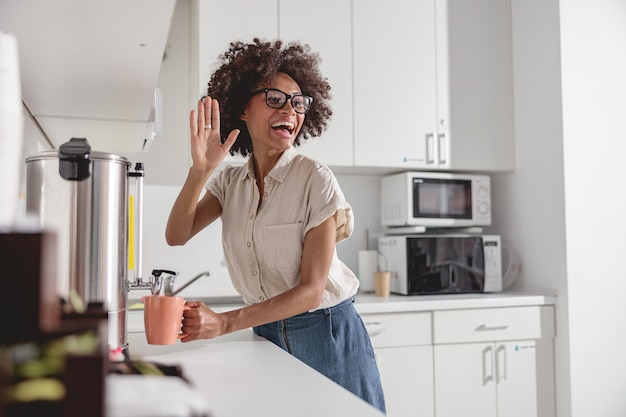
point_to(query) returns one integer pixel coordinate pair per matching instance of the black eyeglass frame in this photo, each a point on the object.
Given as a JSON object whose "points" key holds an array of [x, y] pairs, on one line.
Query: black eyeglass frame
{"points": [[288, 97]]}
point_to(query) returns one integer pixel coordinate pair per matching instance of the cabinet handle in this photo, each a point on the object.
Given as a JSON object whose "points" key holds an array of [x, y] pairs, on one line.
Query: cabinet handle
{"points": [[487, 327], [487, 354], [441, 148], [501, 363], [430, 148]]}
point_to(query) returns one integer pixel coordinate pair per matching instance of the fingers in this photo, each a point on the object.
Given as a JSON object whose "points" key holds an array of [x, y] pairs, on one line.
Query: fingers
{"points": [[193, 124], [204, 118], [193, 304], [230, 140], [201, 118], [211, 114], [189, 338], [201, 114], [207, 119], [208, 114], [199, 322]]}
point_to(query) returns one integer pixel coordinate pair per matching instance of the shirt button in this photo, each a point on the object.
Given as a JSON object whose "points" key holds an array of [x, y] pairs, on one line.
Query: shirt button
{"points": [[252, 216], [267, 179], [248, 244], [265, 194], [261, 298], [254, 272]]}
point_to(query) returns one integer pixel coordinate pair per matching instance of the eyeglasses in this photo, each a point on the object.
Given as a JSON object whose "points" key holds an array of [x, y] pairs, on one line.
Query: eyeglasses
{"points": [[276, 99]]}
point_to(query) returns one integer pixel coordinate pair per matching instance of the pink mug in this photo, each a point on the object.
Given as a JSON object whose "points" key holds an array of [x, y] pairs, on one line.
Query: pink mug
{"points": [[162, 317]]}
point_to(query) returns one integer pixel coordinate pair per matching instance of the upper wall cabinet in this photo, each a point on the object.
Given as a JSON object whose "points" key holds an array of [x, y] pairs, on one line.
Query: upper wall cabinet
{"points": [[395, 82], [324, 25], [433, 86], [89, 69], [424, 84]]}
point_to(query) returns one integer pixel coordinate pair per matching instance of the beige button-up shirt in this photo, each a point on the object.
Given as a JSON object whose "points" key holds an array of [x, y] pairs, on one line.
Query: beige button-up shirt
{"points": [[263, 243]]}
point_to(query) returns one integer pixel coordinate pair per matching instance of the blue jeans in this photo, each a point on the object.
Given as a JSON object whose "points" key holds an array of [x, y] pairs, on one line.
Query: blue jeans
{"points": [[333, 341]]}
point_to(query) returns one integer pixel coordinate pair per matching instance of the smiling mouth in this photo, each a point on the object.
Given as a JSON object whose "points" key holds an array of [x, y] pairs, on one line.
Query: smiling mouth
{"points": [[286, 126]]}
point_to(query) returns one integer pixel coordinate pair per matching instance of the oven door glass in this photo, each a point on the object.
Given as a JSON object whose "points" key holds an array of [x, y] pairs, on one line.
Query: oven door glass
{"points": [[445, 265]]}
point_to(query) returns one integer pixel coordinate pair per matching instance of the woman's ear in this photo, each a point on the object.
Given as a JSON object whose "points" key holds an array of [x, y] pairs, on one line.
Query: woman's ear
{"points": [[243, 117]]}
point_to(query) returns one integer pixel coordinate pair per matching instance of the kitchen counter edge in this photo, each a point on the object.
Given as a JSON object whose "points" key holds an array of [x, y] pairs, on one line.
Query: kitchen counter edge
{"points": [[369, 303]]}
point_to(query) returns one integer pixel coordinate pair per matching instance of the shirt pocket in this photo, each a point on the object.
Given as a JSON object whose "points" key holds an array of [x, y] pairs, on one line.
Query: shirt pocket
{"points": [[282, 245]]}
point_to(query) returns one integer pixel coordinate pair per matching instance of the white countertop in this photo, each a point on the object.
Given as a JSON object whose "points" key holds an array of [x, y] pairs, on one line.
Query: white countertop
{"points": [[245, 375], [370, 303]]}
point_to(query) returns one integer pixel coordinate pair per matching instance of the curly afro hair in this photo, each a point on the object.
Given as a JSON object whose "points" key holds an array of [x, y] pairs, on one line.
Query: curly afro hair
{"points": [[245, 67]]}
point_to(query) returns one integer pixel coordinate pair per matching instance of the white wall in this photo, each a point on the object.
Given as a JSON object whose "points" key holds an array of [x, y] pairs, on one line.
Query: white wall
{"points": [[529, 202], [561, 207], [593, 54]]}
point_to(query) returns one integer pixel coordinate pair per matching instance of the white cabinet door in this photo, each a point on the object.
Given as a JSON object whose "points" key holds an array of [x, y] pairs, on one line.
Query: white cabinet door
{"points": [[403, 345], [486, 379], [464, 380], [325, 26], [433, 85], [407, 377], [516, 379], [217, 24], [394, 83]]}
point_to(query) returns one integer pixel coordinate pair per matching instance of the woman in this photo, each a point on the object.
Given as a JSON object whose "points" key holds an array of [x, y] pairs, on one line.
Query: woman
{"points": [[282, 214]]}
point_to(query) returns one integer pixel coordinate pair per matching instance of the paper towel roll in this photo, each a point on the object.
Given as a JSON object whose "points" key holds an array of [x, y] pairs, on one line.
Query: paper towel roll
{"points": [[368, 265], [11, 130]]}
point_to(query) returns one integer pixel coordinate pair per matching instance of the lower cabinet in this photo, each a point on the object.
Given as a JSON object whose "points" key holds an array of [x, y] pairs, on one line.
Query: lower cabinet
{"points": [[490, 379], [404, 353], [487, 362], [494, 362]]}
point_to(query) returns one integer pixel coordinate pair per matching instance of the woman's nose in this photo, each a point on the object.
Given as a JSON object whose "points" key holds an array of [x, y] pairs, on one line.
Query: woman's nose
{"points": [[288, 107]]}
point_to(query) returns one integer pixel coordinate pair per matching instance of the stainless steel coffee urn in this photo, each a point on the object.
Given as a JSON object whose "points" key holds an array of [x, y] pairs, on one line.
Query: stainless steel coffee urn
{"points": [[83, 196]]}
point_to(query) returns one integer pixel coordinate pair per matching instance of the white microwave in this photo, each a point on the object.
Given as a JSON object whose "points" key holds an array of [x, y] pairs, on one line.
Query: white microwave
{"points": [[442, 264], [435, 200]]}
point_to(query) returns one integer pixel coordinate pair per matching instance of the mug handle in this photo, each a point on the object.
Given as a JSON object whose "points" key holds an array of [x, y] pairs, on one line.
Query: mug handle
{"points": [[181, 335]]}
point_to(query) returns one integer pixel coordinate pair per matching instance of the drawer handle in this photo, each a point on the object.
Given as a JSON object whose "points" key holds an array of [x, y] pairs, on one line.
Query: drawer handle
{"points": [[486, 328], [374, 328], [376, 332]]}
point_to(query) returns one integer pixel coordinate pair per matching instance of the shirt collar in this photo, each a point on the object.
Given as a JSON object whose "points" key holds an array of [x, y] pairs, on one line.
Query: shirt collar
{"points": [[279, 171]]}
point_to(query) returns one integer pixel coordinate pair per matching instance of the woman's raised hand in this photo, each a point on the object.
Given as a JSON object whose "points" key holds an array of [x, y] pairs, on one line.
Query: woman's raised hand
{"points": [[207, 149]]}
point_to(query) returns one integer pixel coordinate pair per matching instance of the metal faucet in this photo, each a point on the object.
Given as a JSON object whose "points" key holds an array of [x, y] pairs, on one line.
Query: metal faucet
{"points": [[168, 283], [154, 284]]}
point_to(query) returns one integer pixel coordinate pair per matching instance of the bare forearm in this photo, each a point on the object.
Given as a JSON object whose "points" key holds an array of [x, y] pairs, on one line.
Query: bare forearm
{"points": [[288, 304], [180, 224]]}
